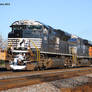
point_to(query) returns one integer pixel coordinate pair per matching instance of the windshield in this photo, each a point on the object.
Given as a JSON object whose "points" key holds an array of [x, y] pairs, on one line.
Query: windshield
{"points": [[34, 27], [19, 27]]}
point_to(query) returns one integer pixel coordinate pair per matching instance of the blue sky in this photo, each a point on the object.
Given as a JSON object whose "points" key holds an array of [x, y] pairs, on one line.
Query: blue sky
{"points": [[72, 16]]}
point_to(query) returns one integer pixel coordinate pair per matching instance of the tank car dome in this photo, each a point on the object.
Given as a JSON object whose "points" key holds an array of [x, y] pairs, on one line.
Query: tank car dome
{"points": [[26, 22]]}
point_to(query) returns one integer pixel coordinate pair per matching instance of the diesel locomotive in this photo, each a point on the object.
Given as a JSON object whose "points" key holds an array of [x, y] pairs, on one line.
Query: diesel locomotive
{"points": [[33, 45]]}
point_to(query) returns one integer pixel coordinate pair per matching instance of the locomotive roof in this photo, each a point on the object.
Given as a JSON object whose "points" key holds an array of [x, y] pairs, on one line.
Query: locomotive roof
{"points": [[26, 22], [29, 22]]}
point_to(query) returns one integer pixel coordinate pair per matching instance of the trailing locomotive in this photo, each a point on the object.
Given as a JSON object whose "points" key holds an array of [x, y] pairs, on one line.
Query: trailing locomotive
{"points": [[34, 45]]}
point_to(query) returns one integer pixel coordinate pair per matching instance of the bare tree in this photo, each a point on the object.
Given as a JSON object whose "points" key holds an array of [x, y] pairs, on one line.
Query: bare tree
{"points": [[3, 43], [1, 40]]}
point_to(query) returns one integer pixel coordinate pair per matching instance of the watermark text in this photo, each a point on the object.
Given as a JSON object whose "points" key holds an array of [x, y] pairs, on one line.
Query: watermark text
{"points": [[4, 4]]}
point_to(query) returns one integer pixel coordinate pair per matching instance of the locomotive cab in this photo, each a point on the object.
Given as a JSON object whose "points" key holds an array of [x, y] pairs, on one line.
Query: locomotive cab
{"points": [[25, 29]]}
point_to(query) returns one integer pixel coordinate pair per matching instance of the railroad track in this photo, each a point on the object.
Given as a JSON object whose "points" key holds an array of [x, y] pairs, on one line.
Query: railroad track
{"points": [[19, 79], [10, 74]]}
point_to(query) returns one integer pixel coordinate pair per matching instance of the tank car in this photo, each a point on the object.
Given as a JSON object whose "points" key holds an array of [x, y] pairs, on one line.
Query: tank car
{"points": [[34, 45]]}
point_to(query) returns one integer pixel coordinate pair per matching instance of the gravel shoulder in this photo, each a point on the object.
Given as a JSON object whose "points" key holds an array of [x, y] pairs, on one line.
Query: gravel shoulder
{"points": [[74, 84]]}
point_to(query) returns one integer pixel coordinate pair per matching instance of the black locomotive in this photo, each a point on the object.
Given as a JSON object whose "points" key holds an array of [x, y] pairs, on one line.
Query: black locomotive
{"points": [[48, 47]]}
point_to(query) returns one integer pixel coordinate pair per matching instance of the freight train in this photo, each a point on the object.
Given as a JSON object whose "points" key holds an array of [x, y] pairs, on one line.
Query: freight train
{"points": [[33, 45]]}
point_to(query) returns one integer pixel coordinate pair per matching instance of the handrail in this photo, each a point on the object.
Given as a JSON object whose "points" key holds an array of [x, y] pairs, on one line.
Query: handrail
{"points": [[74, 56], [38, 51]]}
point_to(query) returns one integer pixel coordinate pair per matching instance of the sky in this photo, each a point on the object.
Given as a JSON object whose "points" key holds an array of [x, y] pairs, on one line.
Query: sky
{"points": [[72, 16]]}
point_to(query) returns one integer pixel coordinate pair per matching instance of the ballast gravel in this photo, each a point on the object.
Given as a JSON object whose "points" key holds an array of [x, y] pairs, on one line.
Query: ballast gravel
{"points": [[54, 86]]}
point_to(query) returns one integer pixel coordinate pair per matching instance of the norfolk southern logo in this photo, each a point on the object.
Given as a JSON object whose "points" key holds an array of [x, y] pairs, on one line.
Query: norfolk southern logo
{"points": [[23, 41]]}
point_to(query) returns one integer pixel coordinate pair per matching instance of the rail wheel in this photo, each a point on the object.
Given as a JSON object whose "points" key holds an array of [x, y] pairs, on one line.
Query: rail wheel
{"points": [[7, 65], [68, 62], [32, 65], [48, 63]]}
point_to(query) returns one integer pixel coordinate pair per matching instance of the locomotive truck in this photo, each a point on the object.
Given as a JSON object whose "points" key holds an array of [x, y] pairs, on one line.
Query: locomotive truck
{"points": [[33, 45]]}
